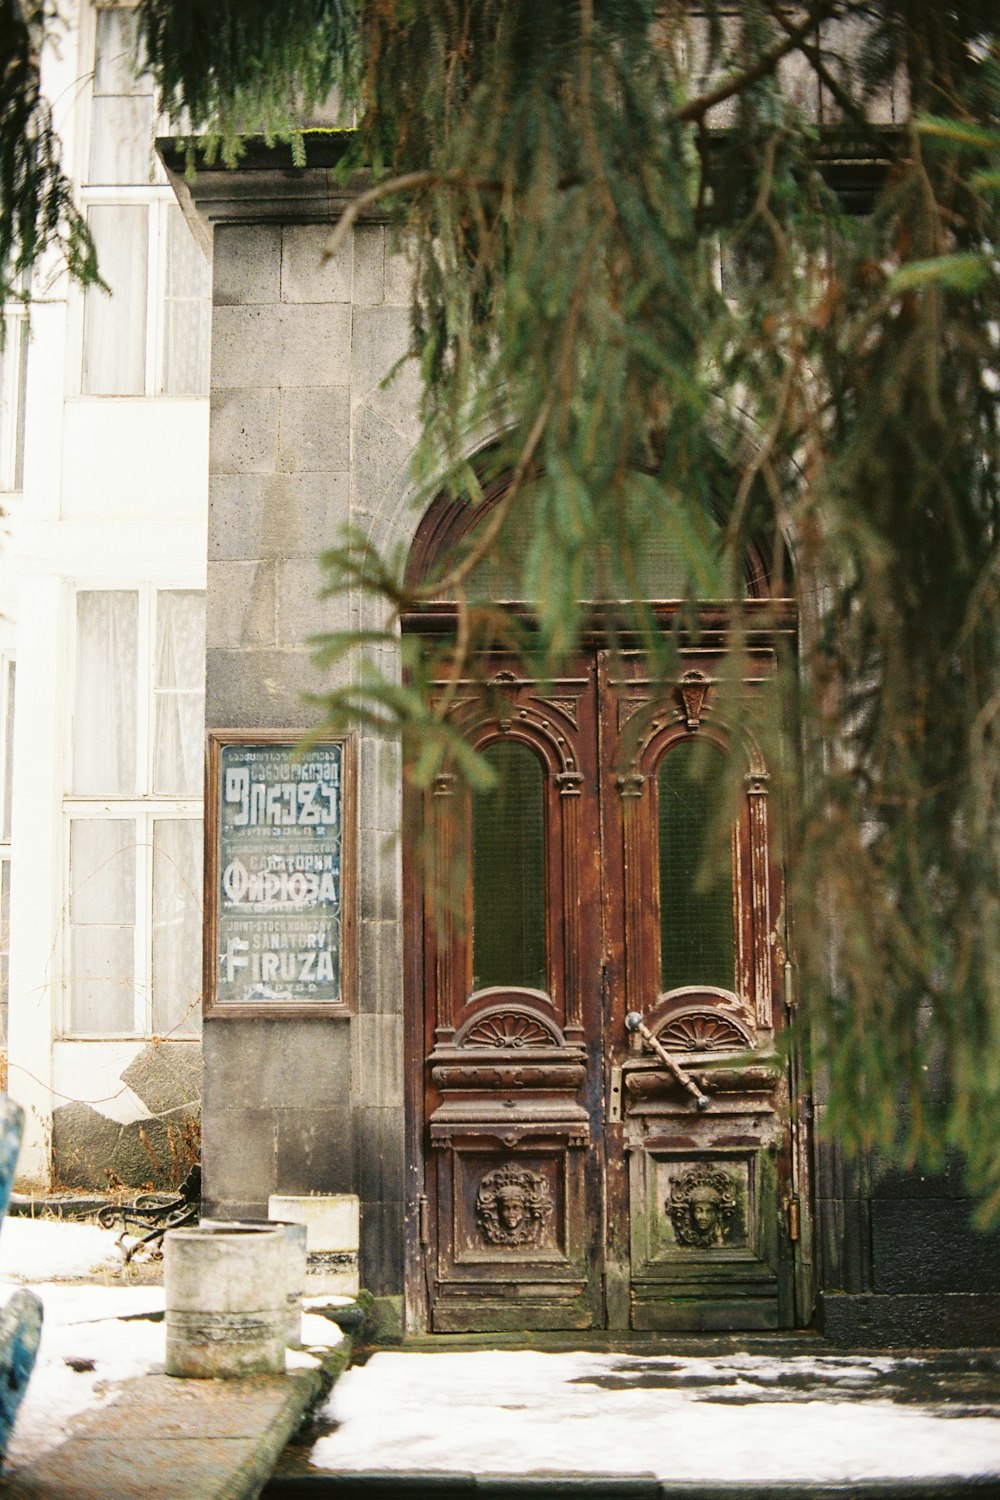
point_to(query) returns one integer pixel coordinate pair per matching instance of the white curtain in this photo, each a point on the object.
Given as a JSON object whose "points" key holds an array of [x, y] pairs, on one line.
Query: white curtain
{"points": [[104, 712], [186, 313], [180, 693], [177, 861], [114, 327], [102, 859]]}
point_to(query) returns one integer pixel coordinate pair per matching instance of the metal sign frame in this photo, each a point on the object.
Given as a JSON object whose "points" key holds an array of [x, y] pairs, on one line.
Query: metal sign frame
{"points": [[279, 875]]}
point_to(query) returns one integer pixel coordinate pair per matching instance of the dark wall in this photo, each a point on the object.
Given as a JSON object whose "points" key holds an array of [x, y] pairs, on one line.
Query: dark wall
{"points": [[900, 1258]]}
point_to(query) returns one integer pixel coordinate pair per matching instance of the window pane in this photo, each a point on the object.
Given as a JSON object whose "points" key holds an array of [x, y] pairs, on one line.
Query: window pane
{"points": [[4, 948], [13, 374], [508, 871], [101, 988], [116, 53], [696, 920], [114, 328], [102, 920], [187, 312], [104, 715], [121, 141], [179, 764], [177, 856], [102, 872], [8, 754], [180, 702], [180, 639]]}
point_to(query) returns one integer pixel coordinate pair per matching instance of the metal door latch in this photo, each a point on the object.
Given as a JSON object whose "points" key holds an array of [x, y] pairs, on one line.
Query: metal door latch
{"points": [[634, 1022]]}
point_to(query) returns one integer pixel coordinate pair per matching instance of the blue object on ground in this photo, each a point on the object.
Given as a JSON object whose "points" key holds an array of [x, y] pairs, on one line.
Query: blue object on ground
{"points": [[21, 1319], [20, 1331]]}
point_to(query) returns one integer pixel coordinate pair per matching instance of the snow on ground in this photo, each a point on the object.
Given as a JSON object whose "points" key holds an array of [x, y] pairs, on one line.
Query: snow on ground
{"points": [[501, 1412], [50, 1250], [93, 1338], [96, 1333]]}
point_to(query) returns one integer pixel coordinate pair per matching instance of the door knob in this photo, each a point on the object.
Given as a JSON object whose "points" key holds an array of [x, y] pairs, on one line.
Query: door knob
{"points": [[634, 1022]]}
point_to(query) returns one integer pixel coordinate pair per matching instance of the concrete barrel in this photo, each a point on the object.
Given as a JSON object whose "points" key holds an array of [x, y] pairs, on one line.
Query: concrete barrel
{"points": [[295, 1263], [226, 1291]]}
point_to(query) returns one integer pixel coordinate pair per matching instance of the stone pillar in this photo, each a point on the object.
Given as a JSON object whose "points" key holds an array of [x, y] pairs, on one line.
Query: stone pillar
{"points": [[304, 440]]}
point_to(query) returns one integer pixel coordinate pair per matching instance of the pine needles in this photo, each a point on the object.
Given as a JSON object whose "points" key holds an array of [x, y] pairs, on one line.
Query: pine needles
{"points": [[691, 301]]}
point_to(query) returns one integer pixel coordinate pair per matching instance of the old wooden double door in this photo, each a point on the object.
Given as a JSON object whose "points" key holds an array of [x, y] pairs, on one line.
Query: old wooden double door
{"points": [[567, 1177]]}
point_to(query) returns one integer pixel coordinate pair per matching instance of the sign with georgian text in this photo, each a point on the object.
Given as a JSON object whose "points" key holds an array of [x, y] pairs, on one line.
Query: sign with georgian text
{"points": [[279, 856]]}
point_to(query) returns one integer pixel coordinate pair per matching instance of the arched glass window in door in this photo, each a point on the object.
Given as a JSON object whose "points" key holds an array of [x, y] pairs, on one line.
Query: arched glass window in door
{"points": [[508, 871], [696, 915]]}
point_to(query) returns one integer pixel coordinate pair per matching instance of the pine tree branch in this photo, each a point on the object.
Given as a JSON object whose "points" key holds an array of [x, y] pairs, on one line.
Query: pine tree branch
{"points": [[406, 182], [737, 83]]}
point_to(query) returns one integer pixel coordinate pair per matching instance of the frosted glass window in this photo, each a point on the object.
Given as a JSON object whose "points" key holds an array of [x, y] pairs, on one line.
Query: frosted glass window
{"points": [[508, 871], [696, 918], [114, 327], [186, 312], [179, 692], [104, 715], [177, 862], [4, 948], [116, 69], [13, 374], [121, 141], [8, 753], [121, 126], [102, 925]]}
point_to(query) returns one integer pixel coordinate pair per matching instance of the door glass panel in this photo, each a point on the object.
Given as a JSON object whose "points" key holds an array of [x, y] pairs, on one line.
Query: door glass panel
{"points": [[696, 913], [508, 871]]}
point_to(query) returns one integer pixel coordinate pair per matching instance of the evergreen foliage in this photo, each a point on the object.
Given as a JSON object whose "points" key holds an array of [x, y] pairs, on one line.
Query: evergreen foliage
{"points": [[571, 176], [567, 186], [37, 210]]}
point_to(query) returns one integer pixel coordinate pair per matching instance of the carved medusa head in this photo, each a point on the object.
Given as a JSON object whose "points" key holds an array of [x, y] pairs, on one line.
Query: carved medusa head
{"points": [[512, 1206], [701, 1206]]}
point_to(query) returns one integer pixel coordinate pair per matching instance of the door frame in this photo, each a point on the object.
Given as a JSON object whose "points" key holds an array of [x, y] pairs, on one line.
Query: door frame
{"points": [[764, 621]]}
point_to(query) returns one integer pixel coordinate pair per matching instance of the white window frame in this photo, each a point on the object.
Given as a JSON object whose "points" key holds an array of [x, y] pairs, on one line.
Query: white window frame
{"points": [[158, 197], [144, 806], [158, 202]]}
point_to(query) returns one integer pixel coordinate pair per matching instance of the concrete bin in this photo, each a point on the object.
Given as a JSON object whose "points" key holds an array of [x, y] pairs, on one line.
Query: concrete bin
{"points": [[333, 1225], [295, 1262], [226, 1291]]}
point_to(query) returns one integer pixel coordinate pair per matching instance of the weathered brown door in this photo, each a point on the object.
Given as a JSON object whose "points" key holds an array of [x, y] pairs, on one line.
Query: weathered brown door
{"points": [[567, 1179]]}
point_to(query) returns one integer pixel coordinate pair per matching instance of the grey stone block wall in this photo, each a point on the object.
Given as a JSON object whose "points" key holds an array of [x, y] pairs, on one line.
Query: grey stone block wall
{"points": [[305, 438]]}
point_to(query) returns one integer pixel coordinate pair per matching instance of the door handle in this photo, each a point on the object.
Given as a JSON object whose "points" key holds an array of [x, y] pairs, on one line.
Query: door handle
{"points": [[634, 1022]]}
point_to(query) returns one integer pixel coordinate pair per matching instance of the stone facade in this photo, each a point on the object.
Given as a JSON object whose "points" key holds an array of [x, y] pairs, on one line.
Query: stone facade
{"points": [[306, 435]]}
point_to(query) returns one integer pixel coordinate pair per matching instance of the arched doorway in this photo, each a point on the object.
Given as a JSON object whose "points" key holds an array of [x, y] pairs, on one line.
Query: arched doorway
{"points": [[568, 1175]]}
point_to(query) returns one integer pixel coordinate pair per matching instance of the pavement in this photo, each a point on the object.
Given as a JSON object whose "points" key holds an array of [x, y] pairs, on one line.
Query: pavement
{"points": [[164, 1438]]}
